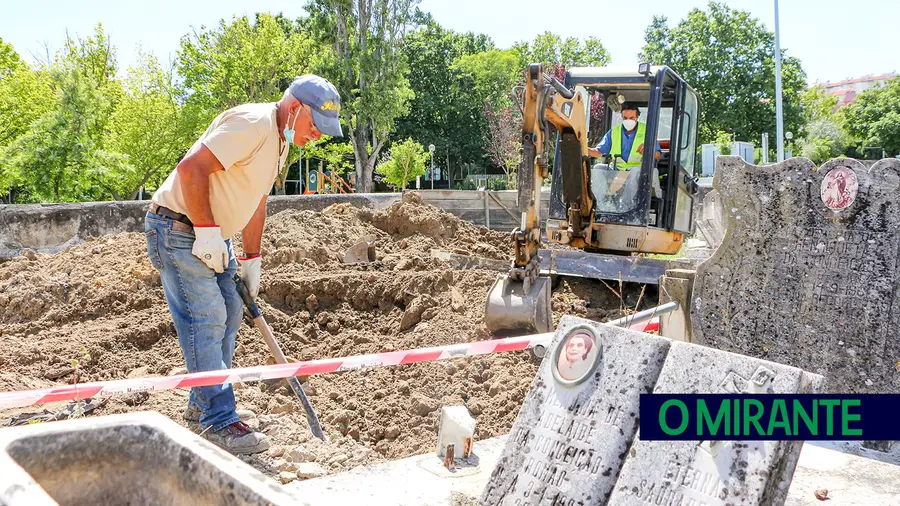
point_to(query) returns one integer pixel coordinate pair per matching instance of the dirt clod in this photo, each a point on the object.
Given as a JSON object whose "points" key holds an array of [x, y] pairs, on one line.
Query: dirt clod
{"points": [[286, 477]]}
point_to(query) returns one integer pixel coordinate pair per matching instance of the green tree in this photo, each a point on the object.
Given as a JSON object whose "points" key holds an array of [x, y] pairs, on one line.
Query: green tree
{"points": [[404, 163], [728, 57], [816, 104], [724, 142], [550, 49], [874, 117], [822, 136], [337, 155], [58, 160], [25, 95], [148, 128], [9, 58], [490, 76], [93, 59], [243, 62], [63, 155], [442, 112], [368, 67]]}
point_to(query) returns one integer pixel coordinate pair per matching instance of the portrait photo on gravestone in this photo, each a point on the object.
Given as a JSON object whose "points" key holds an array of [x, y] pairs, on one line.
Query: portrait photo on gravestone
{"points": [[578, 356]]}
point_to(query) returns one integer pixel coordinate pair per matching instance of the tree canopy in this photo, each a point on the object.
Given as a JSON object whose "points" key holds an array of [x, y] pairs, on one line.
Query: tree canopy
{"points": [[368, 66], [443, 110], [405, 161], [728, 57], [874, 118], [76, 126]]}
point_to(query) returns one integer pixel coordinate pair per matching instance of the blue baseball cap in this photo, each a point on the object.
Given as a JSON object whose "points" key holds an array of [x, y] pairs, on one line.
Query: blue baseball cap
{"points": [[322, 98]]}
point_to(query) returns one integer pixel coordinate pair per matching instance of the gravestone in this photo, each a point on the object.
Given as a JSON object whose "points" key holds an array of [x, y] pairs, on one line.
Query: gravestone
{"points": [[570, 438], [576, 441], [807, 273], [714, 472]]}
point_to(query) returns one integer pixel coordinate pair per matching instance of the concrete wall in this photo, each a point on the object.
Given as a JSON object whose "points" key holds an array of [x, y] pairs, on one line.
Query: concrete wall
{"points": [[496, 209], [49, 228]]}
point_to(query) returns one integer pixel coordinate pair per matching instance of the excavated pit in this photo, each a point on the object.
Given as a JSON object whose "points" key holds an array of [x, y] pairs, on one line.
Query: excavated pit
{"points": [[101, 303]]}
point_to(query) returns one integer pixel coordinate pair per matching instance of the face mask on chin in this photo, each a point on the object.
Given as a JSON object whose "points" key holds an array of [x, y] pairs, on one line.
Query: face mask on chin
{"points": [[629, 124], [289, 132]]}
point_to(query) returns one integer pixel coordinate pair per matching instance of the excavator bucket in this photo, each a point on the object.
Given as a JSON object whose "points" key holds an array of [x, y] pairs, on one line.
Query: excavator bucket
{"points": [[508, 307]]}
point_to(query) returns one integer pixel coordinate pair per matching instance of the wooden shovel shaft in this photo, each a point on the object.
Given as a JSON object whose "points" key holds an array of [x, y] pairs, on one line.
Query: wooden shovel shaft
{"points": [[275, 349]]}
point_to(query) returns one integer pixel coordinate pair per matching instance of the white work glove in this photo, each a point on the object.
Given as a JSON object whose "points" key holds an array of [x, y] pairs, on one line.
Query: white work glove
{"points": [[210, 247], [250, 271]]}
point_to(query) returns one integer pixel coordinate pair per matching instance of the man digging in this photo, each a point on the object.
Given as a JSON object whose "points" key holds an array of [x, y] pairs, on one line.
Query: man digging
{"points": [[219, 189]]}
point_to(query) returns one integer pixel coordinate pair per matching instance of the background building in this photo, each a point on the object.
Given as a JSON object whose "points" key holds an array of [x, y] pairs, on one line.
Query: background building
{"points": [[848, 89]]}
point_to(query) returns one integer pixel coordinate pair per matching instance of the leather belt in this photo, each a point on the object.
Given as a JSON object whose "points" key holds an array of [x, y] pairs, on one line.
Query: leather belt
{"points": [[182, 222]]}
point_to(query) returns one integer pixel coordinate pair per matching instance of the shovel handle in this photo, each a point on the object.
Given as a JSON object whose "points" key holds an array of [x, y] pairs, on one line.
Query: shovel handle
{"points": [[266, 331]]}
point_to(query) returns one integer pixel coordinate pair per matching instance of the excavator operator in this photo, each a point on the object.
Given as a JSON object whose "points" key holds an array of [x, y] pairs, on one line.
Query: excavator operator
{"points": [[620, 142], [625, 145]]}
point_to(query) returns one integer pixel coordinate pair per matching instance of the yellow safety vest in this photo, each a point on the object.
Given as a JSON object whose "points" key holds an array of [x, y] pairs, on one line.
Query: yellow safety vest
{"points": [[634, 158]]}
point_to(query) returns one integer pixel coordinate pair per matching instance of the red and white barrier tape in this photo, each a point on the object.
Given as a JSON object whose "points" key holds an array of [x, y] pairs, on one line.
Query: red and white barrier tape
{"points": [[244, 374], [648, 326]]}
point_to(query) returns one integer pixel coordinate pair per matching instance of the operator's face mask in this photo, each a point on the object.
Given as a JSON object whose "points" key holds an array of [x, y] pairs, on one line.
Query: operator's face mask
{"points": [[629, 124]]}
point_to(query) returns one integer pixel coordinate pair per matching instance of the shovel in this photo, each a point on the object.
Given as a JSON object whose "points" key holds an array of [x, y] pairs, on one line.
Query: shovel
{"points": [[266, 332], [361, 252]]}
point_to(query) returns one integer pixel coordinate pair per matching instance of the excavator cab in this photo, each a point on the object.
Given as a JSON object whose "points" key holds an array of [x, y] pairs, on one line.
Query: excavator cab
{"points": [[613, 206], [643, 205]]}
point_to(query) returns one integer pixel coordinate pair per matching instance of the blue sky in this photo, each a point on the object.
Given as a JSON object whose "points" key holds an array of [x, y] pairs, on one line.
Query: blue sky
{"points": [[833, 39]]}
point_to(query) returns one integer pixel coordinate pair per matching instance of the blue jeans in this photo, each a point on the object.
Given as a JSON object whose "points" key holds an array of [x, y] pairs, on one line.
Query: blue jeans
{"points": [[206, 309]]}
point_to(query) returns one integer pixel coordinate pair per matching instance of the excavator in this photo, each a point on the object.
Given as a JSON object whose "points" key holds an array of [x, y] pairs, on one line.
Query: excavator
{"points": [[606, 212]]}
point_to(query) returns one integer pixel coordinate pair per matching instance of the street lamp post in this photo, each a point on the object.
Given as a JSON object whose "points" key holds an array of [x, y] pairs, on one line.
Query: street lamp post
{"points": [[779, 117], [431, 150]]}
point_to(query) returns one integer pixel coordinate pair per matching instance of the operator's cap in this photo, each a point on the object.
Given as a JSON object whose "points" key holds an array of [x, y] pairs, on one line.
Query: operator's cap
{"points": [[322, 98]]}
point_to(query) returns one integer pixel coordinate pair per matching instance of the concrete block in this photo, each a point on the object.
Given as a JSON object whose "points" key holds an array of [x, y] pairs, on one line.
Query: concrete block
{"points": [[456, 427], [50, 228], [677, 285], [141, 458], [852, 480]]}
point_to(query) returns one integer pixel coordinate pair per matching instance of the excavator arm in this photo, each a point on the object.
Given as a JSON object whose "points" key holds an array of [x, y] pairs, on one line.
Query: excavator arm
{"points": [[521, 299]]}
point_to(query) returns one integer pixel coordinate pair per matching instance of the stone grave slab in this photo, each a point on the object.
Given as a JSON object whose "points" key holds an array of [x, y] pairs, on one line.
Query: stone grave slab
{"points": [[570, 438], [714, 472], [807, 273]]}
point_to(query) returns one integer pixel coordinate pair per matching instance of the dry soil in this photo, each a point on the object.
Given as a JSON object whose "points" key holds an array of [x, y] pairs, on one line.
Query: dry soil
{"points": [[101, 303]]}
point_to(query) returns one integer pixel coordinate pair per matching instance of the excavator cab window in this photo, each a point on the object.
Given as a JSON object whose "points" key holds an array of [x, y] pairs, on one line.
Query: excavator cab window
{"points": [[682, 202], [654, 193], [616, 180]]}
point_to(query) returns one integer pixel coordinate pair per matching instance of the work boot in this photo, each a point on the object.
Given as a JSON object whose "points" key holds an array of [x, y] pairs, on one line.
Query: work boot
{"points": [[192, 413], [239, 439]]}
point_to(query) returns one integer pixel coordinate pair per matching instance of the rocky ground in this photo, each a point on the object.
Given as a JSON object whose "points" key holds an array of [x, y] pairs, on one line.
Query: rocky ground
{"points": [[100, 303]]}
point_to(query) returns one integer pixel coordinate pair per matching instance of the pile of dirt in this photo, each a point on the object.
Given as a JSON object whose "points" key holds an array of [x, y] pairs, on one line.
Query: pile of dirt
{"points": [[101, 303]]}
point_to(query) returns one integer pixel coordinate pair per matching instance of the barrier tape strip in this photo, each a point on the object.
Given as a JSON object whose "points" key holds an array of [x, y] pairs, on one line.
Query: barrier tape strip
{"points": [[102, 389]]}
